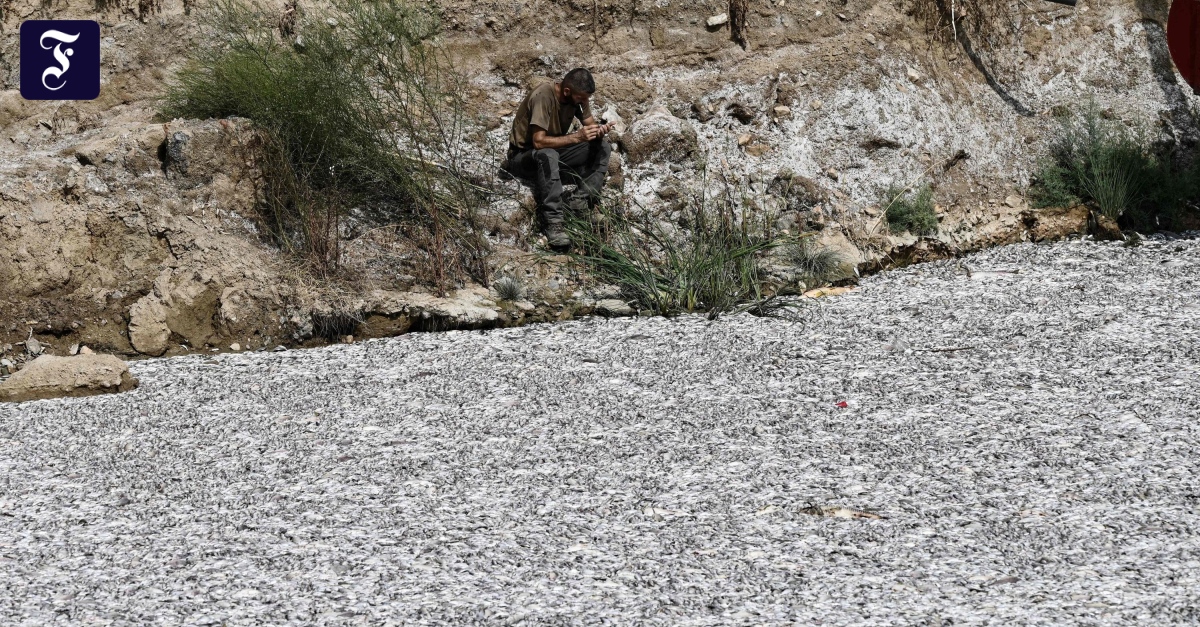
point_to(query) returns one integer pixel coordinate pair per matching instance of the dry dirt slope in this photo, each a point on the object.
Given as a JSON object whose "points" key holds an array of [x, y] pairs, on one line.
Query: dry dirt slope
{"points": [[104, 242]]}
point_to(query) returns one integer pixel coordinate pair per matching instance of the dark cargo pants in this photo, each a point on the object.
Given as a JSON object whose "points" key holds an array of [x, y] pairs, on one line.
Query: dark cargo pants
{"points": [[584, 164]]}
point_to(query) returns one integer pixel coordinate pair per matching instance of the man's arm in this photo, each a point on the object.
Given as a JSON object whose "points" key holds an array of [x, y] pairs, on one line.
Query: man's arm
{"points": [[585, 134]]}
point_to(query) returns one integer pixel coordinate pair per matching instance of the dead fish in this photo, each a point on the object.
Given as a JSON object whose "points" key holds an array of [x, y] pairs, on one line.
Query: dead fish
{"points": [[833, 511]]}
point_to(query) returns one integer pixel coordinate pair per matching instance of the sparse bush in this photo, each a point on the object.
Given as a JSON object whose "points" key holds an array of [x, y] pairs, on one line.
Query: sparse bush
{"points": [[909, 210], [508, 288], [1095, 160], [712, 267], [363, 119], [817, 264], [1101, 162], [1054, 187]]}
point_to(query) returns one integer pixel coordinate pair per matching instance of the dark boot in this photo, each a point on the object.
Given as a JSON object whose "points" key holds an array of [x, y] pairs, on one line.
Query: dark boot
{"points": [[556, 234]]}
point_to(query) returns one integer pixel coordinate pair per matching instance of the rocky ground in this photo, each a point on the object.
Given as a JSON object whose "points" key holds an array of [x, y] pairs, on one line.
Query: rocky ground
{"points": [[1006, 439]]}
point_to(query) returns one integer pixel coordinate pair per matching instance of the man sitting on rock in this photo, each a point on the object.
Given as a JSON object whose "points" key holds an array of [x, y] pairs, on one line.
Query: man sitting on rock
{"points": [[540, 150]]}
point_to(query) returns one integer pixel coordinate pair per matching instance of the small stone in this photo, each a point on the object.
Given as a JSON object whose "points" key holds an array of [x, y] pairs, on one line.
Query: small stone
{"points": [[332, 22], [913, 74], [235, 347], [74, 350], [83, 350], [832, 173], [842, 17], [1013, 201], [757, 150], [816, 105], [744, 140], [33, 346], [870, 39], [717, 20], [279, 349], [782, 112], [349, 339]]}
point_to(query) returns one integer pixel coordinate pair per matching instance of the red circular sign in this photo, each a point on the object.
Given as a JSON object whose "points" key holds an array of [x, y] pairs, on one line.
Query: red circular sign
{"points": [[1183, 25]]}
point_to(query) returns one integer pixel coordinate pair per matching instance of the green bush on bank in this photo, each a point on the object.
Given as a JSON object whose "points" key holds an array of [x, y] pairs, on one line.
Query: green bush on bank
{"points": [[361, 117], [1115, 169], [910, 210]]}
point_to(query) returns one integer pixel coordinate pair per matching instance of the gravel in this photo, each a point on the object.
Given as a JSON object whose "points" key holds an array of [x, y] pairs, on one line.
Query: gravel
{"points": [[1029, 438]]}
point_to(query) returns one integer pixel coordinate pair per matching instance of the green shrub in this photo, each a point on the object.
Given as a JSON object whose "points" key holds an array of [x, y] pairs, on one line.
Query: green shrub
{"points": [[1117, 171], [1098, 161], [362, 118], [912, 211], [711, 267], [1055, 187]]}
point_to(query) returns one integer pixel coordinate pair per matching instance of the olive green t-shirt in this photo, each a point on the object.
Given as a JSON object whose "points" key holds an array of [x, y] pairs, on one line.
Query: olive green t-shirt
{"points": [[542, 108]]}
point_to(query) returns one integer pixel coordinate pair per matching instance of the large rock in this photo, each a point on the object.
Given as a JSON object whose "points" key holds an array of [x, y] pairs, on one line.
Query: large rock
{"points": [[54, 377], [148, 330], [660, 136], [613, 307], [1104, 228], [1055, 223]]}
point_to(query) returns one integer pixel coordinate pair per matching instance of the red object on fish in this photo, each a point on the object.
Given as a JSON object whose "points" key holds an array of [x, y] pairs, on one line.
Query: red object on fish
{"points": [[1183, 39], [843, 404]]}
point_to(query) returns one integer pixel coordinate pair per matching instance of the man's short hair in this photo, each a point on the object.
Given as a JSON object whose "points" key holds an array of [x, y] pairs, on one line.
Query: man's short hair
{"points": [[580, 80]]}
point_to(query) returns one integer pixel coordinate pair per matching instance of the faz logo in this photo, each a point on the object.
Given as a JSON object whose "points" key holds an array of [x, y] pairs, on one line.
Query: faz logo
{"points": [[60, 59]]}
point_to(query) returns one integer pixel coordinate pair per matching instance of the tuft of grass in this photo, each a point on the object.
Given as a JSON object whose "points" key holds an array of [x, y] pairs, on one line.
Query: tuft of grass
{"points": [[363, 120], [818, 265], [508, 288], [711, 267], [909, 210]]}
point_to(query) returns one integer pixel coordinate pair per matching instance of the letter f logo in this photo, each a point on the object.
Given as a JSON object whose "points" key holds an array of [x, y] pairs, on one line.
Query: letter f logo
{"points": [[59, 56], [60, 59]]}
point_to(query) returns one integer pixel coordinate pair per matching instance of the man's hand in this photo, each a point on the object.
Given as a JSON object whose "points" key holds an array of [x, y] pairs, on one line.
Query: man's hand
{"points": [[588, 133]]}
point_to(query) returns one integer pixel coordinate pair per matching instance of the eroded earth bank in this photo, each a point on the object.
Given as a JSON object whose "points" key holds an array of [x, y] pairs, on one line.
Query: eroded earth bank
{"points": [[136, 235]]}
